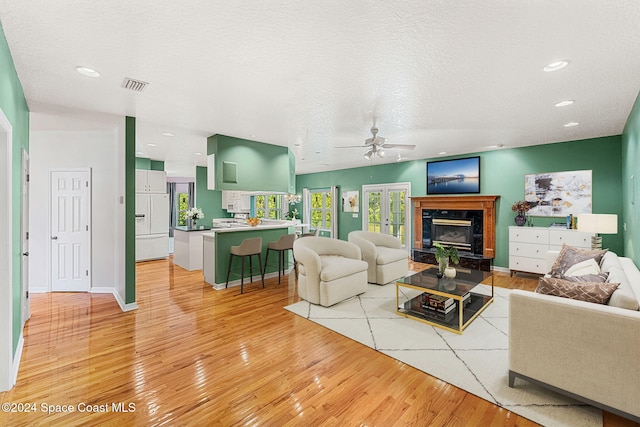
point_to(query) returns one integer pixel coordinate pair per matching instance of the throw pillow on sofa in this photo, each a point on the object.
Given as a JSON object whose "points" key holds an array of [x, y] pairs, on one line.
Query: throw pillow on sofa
{"points": [[597, 292], [569, 256], [585, 271]]}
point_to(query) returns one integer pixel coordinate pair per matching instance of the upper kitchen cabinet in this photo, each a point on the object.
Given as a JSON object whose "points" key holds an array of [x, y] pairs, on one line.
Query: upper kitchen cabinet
{"points": [[148, 181], [244, 165]]}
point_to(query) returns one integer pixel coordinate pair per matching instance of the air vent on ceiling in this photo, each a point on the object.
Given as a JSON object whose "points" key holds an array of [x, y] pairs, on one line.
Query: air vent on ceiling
{"points": [[133, 84]]}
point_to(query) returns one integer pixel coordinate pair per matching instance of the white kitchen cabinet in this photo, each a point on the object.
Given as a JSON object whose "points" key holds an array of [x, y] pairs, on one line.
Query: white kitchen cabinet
{"points": [[236, 201], [528, 246], [148, 181]]}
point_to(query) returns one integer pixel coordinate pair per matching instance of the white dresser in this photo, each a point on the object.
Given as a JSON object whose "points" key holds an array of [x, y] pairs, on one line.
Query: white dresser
{"points": [[528, 246]]}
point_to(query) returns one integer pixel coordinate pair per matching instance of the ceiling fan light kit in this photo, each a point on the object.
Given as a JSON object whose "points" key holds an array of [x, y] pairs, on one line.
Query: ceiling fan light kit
{"points": [[377, 145]]}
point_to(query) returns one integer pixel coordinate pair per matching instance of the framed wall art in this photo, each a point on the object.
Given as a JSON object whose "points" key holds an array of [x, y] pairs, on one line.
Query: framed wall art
{"points": [[350, 201], [458, 176], [558, 193]]}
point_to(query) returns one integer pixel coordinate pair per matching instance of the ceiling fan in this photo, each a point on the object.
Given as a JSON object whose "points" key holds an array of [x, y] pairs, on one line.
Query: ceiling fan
{"points": [[377, 145]]}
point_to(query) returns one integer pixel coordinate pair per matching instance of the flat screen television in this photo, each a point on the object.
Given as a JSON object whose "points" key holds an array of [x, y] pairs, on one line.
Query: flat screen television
{"points": [[457, 176]]}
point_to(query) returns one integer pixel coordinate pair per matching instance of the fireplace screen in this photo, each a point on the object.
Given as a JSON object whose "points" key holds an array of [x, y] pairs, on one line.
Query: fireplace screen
{"points": [[453, 232]]}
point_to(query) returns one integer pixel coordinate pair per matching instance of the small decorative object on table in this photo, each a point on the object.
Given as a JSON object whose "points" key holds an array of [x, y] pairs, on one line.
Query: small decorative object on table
{"points": [[521, 207], [193, 215], [443, 255], [292, 214]]}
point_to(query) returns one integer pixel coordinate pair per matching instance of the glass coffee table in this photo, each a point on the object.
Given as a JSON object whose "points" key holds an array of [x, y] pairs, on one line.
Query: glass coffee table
{"points": [[450, 304]]}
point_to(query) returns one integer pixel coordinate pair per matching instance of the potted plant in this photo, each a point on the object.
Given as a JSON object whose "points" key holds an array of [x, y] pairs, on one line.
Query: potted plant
{"points": [[292, 215], [443, 255], [522, 208]]}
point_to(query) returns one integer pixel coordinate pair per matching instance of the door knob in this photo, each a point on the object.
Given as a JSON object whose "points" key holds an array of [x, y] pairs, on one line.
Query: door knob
{"points": [[25, 253], [54, 237]]}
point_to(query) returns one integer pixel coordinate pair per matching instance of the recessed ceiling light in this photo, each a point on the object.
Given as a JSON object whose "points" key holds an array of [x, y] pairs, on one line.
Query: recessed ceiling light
{"points": [[197, 154], [571, 124], [565, 103], [252, 136], [86, 71], [442, 153], [167, 134], [555, 66], [140, 153], [495, 146], [152, 145]]}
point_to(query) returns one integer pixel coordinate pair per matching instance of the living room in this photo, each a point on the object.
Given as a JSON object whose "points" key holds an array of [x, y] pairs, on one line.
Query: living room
{"points": [[611, 156]]}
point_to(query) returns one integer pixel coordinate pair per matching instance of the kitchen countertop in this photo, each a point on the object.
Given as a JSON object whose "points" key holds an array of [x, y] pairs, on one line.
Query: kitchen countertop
{"points": [[196, 228]]}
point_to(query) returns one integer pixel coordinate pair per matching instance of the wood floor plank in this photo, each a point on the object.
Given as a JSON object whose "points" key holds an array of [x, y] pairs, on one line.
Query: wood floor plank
{"points": [[191, 355]]}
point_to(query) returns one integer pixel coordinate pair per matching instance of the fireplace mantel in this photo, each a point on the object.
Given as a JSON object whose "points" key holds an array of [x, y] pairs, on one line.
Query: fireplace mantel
{"points": [[486, 204]]}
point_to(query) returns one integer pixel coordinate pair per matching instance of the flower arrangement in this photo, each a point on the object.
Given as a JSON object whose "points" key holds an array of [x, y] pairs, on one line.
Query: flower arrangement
{"points": [[521, 207], [194, 213]]}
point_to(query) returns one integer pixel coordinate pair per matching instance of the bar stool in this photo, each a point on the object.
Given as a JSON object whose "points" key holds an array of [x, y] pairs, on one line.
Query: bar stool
{"points": [[282, 245], [248, 248]]}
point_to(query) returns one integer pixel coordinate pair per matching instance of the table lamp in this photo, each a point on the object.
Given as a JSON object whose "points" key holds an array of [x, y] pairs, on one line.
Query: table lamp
{"points": [[598, 224]]}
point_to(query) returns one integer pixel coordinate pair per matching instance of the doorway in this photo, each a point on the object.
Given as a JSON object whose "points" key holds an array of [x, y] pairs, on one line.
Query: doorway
{"points": [[24, 239], [388, 210], [70, 228]]}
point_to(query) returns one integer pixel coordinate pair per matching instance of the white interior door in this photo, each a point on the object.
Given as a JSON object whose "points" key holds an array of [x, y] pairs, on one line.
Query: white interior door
{"points": [[24, 233], [388, 210], [70, 231]]}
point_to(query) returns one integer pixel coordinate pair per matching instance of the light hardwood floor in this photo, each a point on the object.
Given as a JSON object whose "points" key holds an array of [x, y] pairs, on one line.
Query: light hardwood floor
{"points": [[191, 355]]}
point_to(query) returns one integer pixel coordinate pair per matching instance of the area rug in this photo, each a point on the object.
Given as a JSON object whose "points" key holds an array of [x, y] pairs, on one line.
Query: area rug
{"points": [[476, 361]]}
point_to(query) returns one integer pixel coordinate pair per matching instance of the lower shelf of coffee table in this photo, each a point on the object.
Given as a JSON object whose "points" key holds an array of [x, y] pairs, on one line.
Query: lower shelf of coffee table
{"points": [[450, 321]]}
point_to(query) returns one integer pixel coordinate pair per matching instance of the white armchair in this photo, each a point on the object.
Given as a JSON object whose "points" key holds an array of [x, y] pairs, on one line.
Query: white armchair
{"points": [[329, 270], [385, 257]]}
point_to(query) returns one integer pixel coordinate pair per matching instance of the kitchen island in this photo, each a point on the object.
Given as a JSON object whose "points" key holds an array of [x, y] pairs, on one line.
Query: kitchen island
{"points": [[217, 242], [187, 246]]}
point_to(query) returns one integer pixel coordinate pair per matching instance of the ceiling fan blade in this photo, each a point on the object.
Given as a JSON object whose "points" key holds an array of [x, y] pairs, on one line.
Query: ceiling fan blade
{"points": [[352, 146], [400, 146]]}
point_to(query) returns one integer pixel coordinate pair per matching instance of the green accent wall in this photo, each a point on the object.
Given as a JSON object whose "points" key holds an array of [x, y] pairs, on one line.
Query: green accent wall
{"points": [[502, 173], [260, 167], [14, 106], [130, 210], [148, 164], [210, 201], [631, 184], [143, 163]]}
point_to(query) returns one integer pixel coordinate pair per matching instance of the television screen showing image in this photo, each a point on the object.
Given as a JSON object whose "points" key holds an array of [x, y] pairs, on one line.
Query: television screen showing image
{"points": [[458, 176]]}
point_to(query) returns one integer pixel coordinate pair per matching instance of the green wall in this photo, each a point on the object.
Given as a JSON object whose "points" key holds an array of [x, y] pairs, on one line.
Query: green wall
{"points": [[260, 167], [14, 107], [502, 173], [631, 183], [148, 164], [210, 201]]}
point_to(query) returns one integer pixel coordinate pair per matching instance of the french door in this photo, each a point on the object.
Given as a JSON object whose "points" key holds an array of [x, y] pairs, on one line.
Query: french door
{"points": [[388, 210]]}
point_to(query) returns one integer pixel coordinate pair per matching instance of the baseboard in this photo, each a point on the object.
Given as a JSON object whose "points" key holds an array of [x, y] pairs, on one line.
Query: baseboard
{"points": [[501, 269], [38, 289], [233, 283], [101, 290], [123, 306], [16, 359]]}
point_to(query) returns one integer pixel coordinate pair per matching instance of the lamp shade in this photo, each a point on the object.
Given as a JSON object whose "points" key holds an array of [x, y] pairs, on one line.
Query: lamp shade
{"points": [[598, 223]]}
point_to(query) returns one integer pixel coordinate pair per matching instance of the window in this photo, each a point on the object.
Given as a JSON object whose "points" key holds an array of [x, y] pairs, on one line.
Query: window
{"points": [[321, 204], [183, 207], [270, 206]]}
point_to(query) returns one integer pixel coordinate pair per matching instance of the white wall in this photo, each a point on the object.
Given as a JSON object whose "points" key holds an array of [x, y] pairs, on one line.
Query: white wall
{"points": [[103, 152]]}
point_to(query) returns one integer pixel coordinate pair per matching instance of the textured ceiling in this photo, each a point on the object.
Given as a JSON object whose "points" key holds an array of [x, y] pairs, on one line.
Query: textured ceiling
{"points": [[443, 75]]}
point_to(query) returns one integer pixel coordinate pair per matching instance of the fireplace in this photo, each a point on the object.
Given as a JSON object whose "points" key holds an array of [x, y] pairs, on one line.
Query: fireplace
{"points": [[453, 232], [466, 222], [459, 228]]}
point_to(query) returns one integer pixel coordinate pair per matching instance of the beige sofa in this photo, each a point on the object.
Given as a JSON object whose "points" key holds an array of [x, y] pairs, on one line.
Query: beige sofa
{"points": [[386, 258], [588, 351], [329, 270]]}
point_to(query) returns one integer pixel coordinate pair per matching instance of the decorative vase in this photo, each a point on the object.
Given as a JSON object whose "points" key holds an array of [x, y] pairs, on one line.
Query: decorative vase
{"points": [[450, 272], [520, 220], [443, 264]]}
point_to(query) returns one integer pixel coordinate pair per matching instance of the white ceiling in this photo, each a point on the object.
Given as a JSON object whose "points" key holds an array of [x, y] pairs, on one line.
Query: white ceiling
{"points": [[313, 75]]}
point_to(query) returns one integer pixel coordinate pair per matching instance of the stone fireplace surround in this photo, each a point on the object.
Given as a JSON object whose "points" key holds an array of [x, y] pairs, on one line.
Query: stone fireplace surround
{"points": [[485, 204]]}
